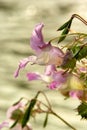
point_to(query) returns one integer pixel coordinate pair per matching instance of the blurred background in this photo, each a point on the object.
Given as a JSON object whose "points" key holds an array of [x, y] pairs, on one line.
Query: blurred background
{"points": [[17, 20]]}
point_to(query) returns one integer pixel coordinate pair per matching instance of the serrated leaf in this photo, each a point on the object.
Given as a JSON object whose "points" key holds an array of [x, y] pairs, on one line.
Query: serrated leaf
{"points": [[45, 121], [64, 25], [28, 113], [82, 110]]}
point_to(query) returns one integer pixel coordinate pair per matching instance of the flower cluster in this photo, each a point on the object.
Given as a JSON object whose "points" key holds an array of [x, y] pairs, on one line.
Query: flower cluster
{"points": [[65, 71], [60, 65]]}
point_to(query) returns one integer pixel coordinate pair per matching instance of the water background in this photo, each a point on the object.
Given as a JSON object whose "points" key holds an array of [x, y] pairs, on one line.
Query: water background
{"points": [[17, 20]]}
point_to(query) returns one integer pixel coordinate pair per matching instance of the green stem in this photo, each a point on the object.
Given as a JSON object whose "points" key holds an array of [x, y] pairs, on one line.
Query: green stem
{"points": [[69, 125], [80, 18]]}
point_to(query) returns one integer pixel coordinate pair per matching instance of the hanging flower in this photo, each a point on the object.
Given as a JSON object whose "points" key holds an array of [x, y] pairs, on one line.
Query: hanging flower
{"points": [[45, 53], [53, 78], [15, 114]]}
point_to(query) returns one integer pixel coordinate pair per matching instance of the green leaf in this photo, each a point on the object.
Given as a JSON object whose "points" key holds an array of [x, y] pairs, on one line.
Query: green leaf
{"points": [[45, 121], [79, 52], [82, 53], [14, 124], [65, 31], [28, 113], [65, 25], [63, 35], [82, 110]]}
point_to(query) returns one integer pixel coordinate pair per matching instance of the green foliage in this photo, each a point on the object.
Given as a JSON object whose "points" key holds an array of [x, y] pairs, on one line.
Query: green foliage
{"points": [[65, 27], [79, 52], [28, 112], [82, 110], [14, 124]]}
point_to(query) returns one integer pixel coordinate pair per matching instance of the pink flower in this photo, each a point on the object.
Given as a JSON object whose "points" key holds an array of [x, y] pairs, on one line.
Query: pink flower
{"points": [[15, 113], [80, 94], [45, 53], [52, 77]]}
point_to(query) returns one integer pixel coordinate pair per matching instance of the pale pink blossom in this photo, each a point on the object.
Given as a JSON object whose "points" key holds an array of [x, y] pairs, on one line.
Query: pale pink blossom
{"points": [[45, 53], [15, 113], [52, 77]]}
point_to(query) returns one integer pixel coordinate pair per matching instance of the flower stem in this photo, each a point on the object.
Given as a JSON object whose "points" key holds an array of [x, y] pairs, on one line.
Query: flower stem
{"points": [[69, 125], [79, 17]]}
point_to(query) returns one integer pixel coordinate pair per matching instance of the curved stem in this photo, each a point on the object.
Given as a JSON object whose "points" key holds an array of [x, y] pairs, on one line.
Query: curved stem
{"points": [[80, 18], [55, 114], [50, 111]]}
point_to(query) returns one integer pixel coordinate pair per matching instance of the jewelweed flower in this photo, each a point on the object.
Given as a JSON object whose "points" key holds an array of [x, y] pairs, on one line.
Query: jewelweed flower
{"points": [[15, 113], [45, 53], [53, 78]]}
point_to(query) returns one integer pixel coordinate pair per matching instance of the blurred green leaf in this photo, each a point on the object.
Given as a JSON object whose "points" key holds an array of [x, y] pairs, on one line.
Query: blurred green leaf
{"points": [[28, 113], [17, 114], [14, 124], [66, 28], [82, 110], [79, 52], [46, 120]]}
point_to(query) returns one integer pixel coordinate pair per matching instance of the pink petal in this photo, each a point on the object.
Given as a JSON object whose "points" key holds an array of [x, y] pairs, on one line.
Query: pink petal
{"points": [[50, 69], [80, 94], [23, 63], [4, 124], [60, 77], [52, 85], [33, 76], [36, 40], [50, 55], [56, 56]]}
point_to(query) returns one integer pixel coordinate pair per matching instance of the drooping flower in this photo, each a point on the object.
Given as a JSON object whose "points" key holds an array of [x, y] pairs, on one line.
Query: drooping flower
{"points": [[53, 78], [15, 114], [45, 53]]}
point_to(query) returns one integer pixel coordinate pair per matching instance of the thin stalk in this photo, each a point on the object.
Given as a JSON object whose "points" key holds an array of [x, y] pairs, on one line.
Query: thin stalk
{"points": [[69, 125], [80, 18]]}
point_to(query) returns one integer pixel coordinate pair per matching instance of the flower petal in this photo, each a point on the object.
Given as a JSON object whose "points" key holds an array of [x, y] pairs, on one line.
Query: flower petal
{"points": [[33, 76], [50, 69], [4, 124], [52, 85], [36, 40], [23, 63]]}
